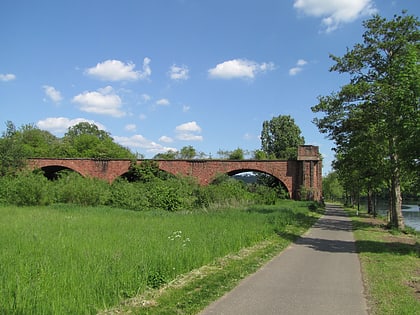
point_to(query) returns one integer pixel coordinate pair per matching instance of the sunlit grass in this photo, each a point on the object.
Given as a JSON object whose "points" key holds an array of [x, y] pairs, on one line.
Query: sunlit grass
{"points": [[390, 262], [72, 260]]}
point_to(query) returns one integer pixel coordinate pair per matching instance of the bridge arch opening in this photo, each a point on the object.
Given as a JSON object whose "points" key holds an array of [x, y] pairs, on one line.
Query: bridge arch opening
{"points": [[257, 177], [52, 172], [145, 171]]}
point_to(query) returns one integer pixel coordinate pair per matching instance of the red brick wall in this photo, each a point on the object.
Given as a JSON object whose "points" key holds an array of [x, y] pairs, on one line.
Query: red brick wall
{"points": [[293, 174]]}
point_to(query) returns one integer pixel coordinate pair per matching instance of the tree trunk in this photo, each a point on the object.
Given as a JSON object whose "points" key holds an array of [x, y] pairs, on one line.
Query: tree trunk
{"points": [[370, 200], [396, 217]]}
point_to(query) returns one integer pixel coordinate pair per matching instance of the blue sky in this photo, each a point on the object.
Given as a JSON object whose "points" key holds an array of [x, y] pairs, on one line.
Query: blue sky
{"points": [[164, 74]]}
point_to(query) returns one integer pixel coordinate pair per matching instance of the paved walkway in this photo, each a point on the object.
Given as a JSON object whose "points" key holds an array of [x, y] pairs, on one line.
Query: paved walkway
{"points": [[319, 274]]}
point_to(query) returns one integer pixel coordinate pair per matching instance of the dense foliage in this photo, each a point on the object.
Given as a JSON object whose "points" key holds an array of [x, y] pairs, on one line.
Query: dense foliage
{"points": [[280, 138], [83, 140], [145, 188], [374, 119]]}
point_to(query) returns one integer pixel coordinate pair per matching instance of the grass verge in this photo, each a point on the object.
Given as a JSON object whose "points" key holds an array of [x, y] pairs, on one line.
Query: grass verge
{"points": [[390, 262]]}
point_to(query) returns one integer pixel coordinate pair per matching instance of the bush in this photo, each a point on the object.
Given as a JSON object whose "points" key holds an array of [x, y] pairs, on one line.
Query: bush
{"points": [[132, 196], [25, 189], [75, 189]]}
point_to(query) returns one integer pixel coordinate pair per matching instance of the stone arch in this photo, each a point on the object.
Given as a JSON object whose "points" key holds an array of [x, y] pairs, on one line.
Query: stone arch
{"points": [[235, 170], [258, 170], [51, 171]]}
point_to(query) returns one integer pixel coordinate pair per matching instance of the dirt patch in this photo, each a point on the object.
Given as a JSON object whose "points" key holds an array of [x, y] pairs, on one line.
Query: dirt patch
{"points": [[414, 284]]}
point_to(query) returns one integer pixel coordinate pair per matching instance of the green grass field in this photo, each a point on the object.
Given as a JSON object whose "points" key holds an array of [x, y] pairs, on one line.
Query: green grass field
{"points": [[64, 259]]}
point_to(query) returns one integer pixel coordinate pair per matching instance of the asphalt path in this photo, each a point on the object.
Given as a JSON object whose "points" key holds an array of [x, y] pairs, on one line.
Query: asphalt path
{"points": [[318, 274]]}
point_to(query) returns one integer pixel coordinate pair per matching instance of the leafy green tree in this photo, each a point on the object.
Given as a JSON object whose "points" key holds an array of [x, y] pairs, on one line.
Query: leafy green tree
{"points": [[187, 152], [169, 155], [281, 137], [331, 187], [260, 155], [86, 140], [12, 155], [237, 154], [37, 142], [382, 99]]}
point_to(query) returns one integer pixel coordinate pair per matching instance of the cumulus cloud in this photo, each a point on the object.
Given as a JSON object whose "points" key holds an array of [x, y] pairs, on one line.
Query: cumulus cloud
{"points": [[333, 12], [7, 77], [103, 101], [116, 70], [188, 132], [239, 68], [130, 127], [178, 72], [298, 68], [53, 94], [146, 98], [138, 141], [59, 125], [163, 102], [166, 139]]}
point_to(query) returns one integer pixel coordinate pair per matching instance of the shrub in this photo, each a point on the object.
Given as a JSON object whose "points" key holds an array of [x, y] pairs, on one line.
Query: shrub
{"points": [[75, 189], [132, 196], [25, 189]]}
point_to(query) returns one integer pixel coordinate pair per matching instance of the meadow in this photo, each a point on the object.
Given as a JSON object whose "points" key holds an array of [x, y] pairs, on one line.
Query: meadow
{"points": [[72, 259]]}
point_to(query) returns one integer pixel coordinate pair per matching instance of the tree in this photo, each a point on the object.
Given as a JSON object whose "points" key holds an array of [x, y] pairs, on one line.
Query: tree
{"points": [[281, 137], [331, 187], [86, 140], [381, 102], [168, 155], [237, 154], [38, 143], [12, 155], [187, 153]]}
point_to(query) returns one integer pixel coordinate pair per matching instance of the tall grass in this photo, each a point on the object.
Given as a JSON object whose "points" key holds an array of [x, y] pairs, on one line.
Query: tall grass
{"points": [[65, 259]]}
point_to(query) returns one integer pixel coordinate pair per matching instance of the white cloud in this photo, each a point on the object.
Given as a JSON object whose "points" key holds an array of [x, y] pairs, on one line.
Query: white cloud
{"points": [[142, 116], [163, 102], [59, 125], [130, 127], [239, 68], [138, 141], [103, 101], [7, 77], [298, 68], [53, 94], [115, 70], [335, 12], [166, 139], [188, 132], [186, 108], [301, 62], [146, 97], [178, 72]]}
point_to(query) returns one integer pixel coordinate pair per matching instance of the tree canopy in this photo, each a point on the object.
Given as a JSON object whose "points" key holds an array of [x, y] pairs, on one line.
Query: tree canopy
{"points": [[83, 140], [374, 120], [280, 138]]}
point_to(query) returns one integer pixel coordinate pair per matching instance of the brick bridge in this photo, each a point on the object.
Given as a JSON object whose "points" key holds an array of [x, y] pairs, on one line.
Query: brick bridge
{"points": [[305, 172]]}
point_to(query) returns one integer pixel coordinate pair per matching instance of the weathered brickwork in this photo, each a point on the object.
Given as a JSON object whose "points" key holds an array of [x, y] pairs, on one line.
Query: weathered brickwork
{"points": [[303, 176]]}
